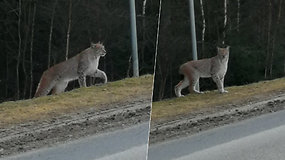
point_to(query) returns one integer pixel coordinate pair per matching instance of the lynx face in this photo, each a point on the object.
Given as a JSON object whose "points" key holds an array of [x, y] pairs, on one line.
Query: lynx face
{"points": [[99, 47], [223, 52]]}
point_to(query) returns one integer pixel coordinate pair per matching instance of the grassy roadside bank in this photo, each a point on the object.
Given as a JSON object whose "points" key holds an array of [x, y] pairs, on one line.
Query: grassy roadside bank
{"points": [[170, 108], [125, 90]]}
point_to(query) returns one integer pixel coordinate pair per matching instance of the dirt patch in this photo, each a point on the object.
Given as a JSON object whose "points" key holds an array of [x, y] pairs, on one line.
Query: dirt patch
{"points": [[214, 116], [35, 134]]}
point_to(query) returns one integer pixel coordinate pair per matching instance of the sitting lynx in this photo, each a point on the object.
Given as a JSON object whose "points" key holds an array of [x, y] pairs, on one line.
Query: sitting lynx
{"points": [[215, 67], [77, 67]]}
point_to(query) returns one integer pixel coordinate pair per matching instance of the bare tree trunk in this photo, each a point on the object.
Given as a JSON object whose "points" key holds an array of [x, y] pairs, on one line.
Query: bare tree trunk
{"points": [[171, 79], [162, 82], [203, 29], [19, 51], [7, 75], [284, 67], [225, 21], [68, 30], [31, 49], [89, 22], [274, 37], [238, 14], [50, 32], [144, 31], [157, 32], [162, 88], [156, 61], [130, 66], [268, 38], [27, 31]]}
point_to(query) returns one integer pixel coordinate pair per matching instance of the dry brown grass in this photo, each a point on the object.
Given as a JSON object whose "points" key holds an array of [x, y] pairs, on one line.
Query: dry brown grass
{"points": [[178, 106], [14, 112]]}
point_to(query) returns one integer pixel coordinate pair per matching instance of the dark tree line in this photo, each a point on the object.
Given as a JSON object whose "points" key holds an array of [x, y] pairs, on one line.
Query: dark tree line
{"points": [[254, 30], [36, 34]]}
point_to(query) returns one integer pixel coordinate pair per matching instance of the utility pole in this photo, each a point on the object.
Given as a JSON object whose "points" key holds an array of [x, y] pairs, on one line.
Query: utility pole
{"points": [[134, 39], [193, 34]]}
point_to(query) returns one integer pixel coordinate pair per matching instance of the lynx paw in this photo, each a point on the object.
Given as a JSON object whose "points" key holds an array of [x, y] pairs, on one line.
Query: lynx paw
{"points": [[198, 92], [223, 91]]}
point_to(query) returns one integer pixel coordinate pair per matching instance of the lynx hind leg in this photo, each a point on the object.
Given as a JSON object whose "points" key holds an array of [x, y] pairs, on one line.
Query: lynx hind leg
{"points": [[45, 85], [59, 87], [181, 85], [192, 84], [193, 80]]}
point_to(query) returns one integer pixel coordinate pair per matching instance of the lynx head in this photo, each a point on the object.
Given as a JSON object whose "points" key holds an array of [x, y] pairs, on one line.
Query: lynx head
{"points": [[99, 48], [223, 52]]}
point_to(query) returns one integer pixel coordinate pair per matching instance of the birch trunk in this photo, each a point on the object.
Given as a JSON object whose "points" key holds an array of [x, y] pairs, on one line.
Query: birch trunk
{"points": [[268, 39], [19, 51], [50, 32], [68, 30], [225, 21], [27, 31], [238, 14], [144, 30], [7, 75], [203, 29], [31, 49], [274, 37]]}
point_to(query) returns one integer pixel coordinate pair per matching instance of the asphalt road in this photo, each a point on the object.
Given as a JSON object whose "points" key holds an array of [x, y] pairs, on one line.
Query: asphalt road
{"points": [[125, 144], [259, 138]]}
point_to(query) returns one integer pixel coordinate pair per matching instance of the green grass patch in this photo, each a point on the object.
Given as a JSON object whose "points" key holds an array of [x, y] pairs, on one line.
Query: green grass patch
{"points": [[95, 96], [180, 106]]}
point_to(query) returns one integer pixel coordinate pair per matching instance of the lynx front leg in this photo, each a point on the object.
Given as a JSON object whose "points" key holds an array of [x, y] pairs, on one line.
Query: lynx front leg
{"points": [[82, 80], [101, 74], [222, 81], [81, 71], [219, 83]]}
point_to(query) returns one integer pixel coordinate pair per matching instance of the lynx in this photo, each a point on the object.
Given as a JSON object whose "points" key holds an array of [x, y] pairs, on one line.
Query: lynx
{"points": [[215, 67], [78, 67]]}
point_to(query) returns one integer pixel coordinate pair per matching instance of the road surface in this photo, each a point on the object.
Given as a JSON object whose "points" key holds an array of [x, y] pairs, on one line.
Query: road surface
{"points": [[259, 138], [125, 144]]}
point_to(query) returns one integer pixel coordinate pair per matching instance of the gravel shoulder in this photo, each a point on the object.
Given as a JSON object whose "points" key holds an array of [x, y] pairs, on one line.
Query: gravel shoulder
{"points": [[50, 120], [36, 134], [213, 116]]}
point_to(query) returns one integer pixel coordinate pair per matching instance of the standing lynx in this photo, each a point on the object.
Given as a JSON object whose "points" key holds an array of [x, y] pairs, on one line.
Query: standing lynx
{"points": [[78, 67], [215, 67]]}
